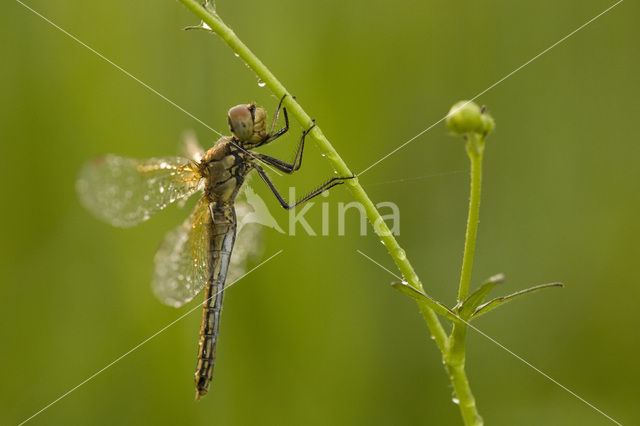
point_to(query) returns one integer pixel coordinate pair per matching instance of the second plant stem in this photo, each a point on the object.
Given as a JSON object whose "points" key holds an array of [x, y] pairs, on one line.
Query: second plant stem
{"points": [[475, 150], [456, 344]]}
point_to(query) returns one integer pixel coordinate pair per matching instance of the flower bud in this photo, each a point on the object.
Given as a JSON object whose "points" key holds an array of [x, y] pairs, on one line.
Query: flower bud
{"points": [[465, 117], [488, 123]]}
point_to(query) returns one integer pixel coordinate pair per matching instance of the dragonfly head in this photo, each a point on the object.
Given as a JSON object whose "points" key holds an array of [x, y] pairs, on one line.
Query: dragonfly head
{"points": [[248, 124]]}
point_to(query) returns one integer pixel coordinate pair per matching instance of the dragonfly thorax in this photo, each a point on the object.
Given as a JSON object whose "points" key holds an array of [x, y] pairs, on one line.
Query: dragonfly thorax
{"points": [[224, 168]]}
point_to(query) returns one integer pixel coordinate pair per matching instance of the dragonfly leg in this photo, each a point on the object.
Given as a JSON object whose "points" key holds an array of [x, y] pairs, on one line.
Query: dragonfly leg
{"points": [[271, 136], [283, 166], [324, 187]]}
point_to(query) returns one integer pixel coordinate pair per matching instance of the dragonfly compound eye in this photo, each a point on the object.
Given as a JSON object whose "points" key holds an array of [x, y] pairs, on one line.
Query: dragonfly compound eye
{"points": [[259, 125], [241, 122]]}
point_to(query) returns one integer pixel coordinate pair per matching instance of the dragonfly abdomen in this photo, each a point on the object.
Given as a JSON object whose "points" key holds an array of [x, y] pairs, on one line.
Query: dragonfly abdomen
{"points": [[222, 236]]}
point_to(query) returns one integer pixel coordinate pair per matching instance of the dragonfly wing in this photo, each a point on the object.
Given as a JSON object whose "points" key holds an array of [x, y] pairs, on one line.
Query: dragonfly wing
{"points": [[190, 147], [248, 244], [124, 191], [181, 263], [182, 260]]}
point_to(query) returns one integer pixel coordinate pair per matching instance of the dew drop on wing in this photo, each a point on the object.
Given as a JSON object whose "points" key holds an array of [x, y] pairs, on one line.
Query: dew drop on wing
{"points": [[177, 277]]}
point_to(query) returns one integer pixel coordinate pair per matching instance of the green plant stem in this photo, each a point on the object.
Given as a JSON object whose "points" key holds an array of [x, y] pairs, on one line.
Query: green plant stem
{"points": [[456, 348], [455, 363], [475, 150], [294, 109], [451, 347]]}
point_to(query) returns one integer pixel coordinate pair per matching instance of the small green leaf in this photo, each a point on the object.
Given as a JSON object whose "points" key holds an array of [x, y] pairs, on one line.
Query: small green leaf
{"points": [[426, 300], [202, 26], [492, 304], [469, 305]]}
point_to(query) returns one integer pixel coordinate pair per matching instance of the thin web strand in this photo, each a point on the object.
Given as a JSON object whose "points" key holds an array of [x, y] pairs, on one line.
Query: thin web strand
{"points": [[493, 85], [145, 85], [88, 379], [125, 72], [416, 178]]}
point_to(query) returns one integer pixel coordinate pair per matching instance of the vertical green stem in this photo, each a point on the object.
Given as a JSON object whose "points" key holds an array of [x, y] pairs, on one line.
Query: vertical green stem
{"points": [[455, 363], [475, 149], [456, 348]]}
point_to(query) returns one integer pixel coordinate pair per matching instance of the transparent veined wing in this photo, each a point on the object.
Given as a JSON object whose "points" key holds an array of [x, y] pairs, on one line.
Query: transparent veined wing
{"points": [[190, 147], [124, 191], [181, 262], [248, 243]]}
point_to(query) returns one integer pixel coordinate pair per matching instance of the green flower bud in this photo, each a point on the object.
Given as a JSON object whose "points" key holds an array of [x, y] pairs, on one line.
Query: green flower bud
{"points": [[488, 123], [465, 117]]}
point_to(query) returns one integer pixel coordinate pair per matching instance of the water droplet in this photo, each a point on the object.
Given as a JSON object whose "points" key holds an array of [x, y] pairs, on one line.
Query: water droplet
{"points": [[323, 154], [237, 55], [261, 83], [382, 241], [161, 189], [455, 400]]}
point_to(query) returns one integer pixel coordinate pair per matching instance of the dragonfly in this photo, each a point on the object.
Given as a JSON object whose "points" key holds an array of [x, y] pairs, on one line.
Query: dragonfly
{"points": [[196, 255]]}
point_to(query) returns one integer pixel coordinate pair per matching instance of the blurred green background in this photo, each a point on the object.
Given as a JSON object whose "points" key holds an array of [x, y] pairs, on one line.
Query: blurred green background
{"points": [[317, 336]]}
